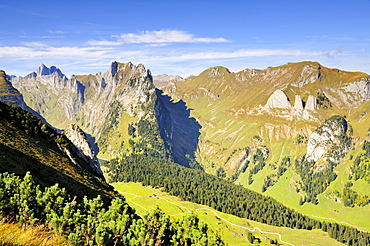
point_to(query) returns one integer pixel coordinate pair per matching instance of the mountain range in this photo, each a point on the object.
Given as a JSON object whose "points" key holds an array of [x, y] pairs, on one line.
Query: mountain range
{"points": [[298, 133]]}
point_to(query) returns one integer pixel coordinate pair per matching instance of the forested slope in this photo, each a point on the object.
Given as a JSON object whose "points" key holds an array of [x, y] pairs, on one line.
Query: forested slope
{"points": [[200, 187]]}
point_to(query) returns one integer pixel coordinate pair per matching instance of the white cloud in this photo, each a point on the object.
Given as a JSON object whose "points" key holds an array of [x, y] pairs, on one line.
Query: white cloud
{"points": [[20, 52], [34, 44], [235, 54], [332, 53], [36, 50], [58, 31], [103, 43], [326, 37], [165, 36], [97, 56]]}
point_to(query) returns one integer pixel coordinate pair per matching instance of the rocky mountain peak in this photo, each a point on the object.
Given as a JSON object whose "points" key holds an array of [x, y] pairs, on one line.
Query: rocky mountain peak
{"points": [[44, 70], [216, 71], [308, 73], [113, 68]]}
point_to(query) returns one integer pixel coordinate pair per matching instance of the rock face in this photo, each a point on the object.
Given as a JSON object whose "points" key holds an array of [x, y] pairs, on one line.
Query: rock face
{"points": [[351, 94], [279, 105], [86, 99], [278, 100], [82, 147], [298, 105], [330, 141], [311, 103], [308, 74], [43, 70], [104, 105]]}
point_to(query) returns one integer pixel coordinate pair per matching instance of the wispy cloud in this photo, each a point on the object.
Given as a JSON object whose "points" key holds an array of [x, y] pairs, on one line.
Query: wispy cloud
{"points": [[326, 37], [43, 37], [98, 54], [332, 53], [103, 43], [165, 36], [56, 32], [36, 52], [34, 44], [39, 50], [235, 54]]}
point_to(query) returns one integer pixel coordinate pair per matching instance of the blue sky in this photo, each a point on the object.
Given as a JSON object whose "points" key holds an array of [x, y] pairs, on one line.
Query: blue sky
{"points": [[182, 37]]}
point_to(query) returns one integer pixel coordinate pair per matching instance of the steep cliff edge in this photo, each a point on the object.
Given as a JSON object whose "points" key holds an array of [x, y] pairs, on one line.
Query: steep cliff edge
{"points": [[94, 102], [81, 146], [116, 108], [277, 104], [29, 145]]}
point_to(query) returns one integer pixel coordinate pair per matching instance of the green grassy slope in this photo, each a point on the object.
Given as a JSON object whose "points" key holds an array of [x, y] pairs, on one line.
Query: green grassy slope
{"points": [[234, 233], [26, 144], [229, 107]]}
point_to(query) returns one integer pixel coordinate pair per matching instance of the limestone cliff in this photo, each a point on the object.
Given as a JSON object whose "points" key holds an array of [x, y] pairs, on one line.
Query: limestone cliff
{"points": [[81, 146], [282, 105], [278, 100], [95, 102], [106, 105], [330, 141]]}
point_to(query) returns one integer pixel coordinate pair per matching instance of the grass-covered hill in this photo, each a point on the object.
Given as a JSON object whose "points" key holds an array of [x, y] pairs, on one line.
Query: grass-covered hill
{"points": [[258, 128], [28, 145], [297, 133], [8, 93], [47, 190], [239, 110]]}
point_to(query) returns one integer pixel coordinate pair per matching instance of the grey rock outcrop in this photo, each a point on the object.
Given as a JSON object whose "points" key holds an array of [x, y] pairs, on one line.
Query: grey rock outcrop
{"points": [[8, 93], [43, 70], [82, 147], [351, 95], [311, 103], [279, 105], [309, 74], [298, 104], [330, 141], [278, 100]]}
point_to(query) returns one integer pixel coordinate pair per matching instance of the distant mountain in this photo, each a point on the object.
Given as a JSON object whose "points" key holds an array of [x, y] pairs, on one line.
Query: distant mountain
{"points": [[273, 105], [106, 105], [163, 80], [293, 132], [299, 133]]}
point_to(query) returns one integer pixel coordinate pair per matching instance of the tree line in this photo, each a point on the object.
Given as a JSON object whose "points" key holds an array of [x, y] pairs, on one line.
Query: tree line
{"points": [[202, 188], [92, 221]]}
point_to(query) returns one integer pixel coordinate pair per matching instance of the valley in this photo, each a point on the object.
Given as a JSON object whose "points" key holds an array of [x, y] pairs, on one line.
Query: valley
{"points": [[233, 229], [286, 149]]}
